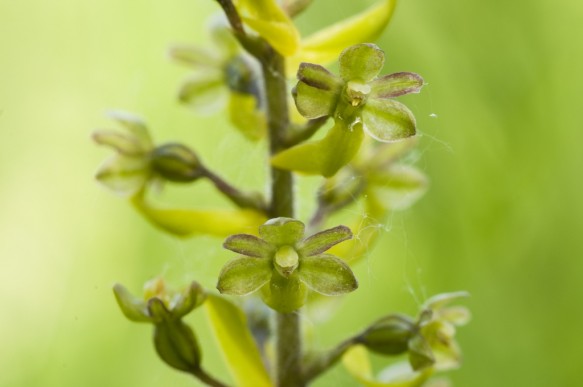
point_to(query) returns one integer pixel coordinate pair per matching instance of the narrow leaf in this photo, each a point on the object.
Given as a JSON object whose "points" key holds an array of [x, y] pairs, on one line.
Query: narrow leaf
{"points": [[326, 45], [229, 326]]}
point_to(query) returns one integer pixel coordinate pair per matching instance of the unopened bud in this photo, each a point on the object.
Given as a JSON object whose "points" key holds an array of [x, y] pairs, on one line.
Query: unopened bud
{"points": [[176, 162], [389, 335], [177, 346]]}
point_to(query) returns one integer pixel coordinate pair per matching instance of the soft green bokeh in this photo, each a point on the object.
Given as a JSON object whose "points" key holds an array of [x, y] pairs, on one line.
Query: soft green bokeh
{"points": [[503, 218]]}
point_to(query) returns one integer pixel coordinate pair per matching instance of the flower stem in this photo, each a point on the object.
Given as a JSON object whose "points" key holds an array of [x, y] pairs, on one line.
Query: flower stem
{"points": [[288, 332], [207, 379]]}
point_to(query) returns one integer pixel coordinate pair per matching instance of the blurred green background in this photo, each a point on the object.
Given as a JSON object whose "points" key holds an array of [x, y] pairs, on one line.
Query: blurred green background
{"points": [[502, 132]]}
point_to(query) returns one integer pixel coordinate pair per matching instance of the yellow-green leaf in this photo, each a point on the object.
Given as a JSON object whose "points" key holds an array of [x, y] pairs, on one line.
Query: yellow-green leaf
{"points": [[324, 157], [270, 21], [326, 45], [189, 222], [239, 350]]}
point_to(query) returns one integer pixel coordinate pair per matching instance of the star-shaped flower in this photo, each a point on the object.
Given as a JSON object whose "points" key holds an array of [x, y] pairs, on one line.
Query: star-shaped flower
{"points": [[358, 101], [285, 265]]}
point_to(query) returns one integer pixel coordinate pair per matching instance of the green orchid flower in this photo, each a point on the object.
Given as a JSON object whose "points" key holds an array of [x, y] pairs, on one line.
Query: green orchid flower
{"points": [[139, 164], [359, 102], [284, 264], [224, 75], [175, 342]]}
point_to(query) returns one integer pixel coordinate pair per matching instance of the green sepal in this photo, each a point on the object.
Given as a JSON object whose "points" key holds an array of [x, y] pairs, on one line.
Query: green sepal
{"points": [[135, 126], [177, 346], [397, 187], [190, 298], [124, 175], [389, 335], [249, 245], [387, 120], [420, 353], [135, 309], [158, 310], [317, 91], [326, 45], [124, 143], [282, 231], [361, 62], [324, 157], [322, 241], [229, 325], [284, 294], [205, 91], [197, 57], [395, 85], [245, 275], [327, 275], [189, 222], [440, 300]]}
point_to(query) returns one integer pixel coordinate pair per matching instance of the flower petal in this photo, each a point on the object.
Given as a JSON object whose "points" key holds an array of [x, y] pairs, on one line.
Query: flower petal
{"points": [[197, 57], [284, 294], [395, 85], [246, 116], [189, 222], [192, 297], [361, 62], [249, 245], [386, 120], [242, 276], [132, 307], [440, 300], [135, 126], [326, 156], [124, 175], [398, 187], [317, 91], [326, 45], [123, 143], [327, 275], [282, 231], [420, 354], [322, 241], [205, 92]]}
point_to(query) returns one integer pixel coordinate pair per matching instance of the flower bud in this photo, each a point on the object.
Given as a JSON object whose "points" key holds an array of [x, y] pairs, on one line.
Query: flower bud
{"points": [[177, 346], [389, 335], [176, 162]]}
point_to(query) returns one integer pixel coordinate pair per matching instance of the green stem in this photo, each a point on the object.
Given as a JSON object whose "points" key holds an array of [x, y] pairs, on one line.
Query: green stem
{"points": [[288, 344], [242, 199], [319, 364], [207, 379], [288, 333]]}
